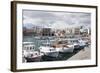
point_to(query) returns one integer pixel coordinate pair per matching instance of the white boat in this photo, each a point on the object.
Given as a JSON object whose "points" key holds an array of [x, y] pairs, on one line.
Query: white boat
{"points": [[77, 43], [69, 48], [37, 37], [64, 46], [83, 43], [29, 53], [48, 50]]}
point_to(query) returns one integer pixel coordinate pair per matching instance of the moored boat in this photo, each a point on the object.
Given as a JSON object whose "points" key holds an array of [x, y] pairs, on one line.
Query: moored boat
{"points": [[48, 50], [30, 54]]}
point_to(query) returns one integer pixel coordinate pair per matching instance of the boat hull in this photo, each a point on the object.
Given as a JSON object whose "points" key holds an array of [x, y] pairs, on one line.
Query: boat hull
{"points": [[52, 54], [70, 50], [36, 59]]}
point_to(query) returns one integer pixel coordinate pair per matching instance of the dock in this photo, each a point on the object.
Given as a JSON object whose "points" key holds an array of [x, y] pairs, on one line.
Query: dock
{"points": [[82, 54]]}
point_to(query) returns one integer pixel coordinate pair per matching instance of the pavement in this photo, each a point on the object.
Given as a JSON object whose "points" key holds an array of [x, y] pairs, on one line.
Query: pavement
{"points": [[82, 55]]}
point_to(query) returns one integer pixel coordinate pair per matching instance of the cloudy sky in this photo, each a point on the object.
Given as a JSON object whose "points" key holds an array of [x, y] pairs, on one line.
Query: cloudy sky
{"points": [[55, 19]]}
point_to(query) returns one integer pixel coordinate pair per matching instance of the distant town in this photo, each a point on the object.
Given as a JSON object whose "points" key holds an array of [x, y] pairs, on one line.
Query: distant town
{"points": [[65, 32], [68, 31]]}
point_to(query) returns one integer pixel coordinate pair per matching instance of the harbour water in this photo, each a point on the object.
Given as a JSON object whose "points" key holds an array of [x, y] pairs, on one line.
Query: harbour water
{"points": [[62, 56]]}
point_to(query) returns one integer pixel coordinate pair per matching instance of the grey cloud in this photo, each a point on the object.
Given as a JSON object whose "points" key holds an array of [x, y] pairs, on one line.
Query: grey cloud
{"points": [[48, 18]]}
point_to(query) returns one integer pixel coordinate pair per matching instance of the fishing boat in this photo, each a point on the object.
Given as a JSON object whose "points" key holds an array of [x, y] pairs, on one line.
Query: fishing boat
{"points": [[30, 54], [83, 43], [48, 50], [63, 46], [77, 43]]}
